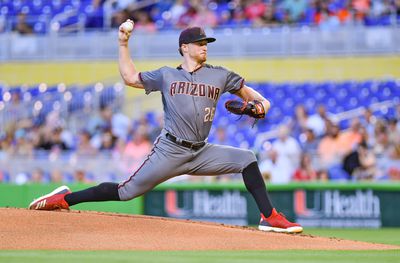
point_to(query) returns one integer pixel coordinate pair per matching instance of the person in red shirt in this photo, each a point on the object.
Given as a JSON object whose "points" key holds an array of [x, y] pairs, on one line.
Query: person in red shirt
{"points": [[305, 172], [254, 9]]}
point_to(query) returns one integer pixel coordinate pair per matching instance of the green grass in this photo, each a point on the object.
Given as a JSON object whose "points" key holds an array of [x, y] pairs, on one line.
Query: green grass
{"points": [[199, 257], [386, 235]]}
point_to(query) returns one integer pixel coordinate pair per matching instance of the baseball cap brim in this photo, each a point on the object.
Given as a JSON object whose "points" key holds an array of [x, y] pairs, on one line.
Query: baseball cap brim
{"points": [[208, 39]]}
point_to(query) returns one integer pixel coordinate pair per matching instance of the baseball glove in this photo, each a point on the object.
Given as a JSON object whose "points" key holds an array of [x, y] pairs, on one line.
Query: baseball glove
{"points": [[254, 108]]}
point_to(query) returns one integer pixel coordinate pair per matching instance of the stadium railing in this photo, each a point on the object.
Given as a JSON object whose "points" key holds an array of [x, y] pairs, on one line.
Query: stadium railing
{"points": [[234, 43]]}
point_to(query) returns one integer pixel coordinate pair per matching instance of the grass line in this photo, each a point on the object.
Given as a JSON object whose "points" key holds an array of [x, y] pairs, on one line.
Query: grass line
{"points": [[290, 256]]}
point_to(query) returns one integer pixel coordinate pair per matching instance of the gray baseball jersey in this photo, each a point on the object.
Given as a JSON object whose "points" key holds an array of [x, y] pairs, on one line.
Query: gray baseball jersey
{"points": [[189, 101]]}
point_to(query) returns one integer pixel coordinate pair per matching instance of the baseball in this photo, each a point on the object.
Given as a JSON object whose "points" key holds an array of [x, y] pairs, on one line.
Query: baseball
{"points": [[127, 26]]}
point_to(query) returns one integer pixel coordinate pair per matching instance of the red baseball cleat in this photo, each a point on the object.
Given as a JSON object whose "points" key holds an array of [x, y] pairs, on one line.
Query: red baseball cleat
{"points": [[277, 222], [54, 200]]}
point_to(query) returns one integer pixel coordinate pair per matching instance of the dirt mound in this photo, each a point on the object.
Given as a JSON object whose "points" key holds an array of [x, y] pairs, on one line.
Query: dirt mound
{"points": [[78, 230]]}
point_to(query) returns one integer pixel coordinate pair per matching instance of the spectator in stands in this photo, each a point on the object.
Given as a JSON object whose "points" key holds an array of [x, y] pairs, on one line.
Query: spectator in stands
{"points": [[295, 9], [15, 109], [203, 17], [22, 27], [101, 120], [144, 22], [287, 148], [324, 17], [23, 147], [393, 131], [84, 146], [108, 140], [137, 148], [177, 10], [309, 142], [237, 14], [185, 19], [267, 19], [318, 122], [380, 8], [387, 153], [306, 171], [53, 120], [361, 163], [349, 139], [329, 150], [361, 8], [346, 13], [365, 137], [254, 9], [276, 170], [118, 156], [53, 141], [119, 17], [117, 122], [382, 142], [121, 125], [299, 123], [369, 121]]}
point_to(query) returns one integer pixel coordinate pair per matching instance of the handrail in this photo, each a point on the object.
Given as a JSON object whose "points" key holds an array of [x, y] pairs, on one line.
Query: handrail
{"points": [[55, 22]]}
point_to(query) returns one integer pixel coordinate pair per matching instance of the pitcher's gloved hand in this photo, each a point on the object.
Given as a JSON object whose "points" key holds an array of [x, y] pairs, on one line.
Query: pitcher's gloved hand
{"points": [[252, 108]]}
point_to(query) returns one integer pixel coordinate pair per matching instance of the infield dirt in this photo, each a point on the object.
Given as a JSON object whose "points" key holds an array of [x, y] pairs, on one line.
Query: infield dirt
{"points": [[83, 230]]}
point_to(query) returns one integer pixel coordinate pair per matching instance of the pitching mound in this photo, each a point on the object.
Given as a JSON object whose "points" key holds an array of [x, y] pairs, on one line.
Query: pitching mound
{"points": [[77, 230]]}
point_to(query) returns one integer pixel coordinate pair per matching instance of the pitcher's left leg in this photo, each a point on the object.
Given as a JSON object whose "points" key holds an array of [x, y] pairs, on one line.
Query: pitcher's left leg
{"points": [[219, 159]]}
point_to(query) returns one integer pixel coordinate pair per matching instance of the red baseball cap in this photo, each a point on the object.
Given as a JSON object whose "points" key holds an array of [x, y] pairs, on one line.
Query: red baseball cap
{"points": [[194, 34]]}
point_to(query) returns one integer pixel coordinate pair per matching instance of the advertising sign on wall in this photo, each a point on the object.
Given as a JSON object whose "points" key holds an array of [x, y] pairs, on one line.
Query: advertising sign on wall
{"points": [[335, 208], [228, 207], [360, 206]]}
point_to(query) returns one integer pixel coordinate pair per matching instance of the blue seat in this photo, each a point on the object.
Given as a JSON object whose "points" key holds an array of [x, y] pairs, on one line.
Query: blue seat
{"points": [[336, 173]]}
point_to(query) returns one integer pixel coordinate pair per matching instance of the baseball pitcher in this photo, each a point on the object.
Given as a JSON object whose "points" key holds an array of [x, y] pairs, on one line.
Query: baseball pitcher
{"points": [[190, 93]]}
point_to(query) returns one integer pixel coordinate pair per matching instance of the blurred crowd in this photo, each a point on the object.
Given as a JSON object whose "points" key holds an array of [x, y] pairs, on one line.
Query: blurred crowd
{"points": [[256, 13], [108, 135], [151, 16], [315, 148], [308, 148]]}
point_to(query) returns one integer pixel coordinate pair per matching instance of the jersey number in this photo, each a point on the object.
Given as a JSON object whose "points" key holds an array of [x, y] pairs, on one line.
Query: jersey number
{"points": [[210, 112]]}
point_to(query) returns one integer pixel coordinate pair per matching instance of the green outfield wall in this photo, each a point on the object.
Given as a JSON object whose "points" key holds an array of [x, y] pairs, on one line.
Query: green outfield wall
{"points": [[21, 195], [367, 205]]}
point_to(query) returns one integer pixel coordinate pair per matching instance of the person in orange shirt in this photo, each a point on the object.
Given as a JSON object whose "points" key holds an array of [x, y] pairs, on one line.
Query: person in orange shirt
{"points": [[137, 149], [349, 139], [329, 151], [361, 8]]}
